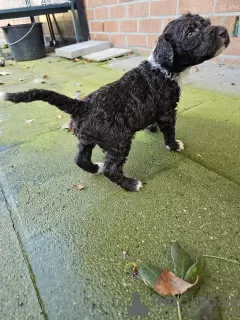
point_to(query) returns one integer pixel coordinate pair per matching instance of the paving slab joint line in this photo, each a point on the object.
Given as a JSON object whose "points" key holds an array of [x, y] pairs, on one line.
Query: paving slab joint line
{"points": [[224, 176], [12, 207], [197, 105]]}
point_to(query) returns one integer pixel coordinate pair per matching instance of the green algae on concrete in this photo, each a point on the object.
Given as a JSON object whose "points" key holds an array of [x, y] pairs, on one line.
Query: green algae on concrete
{"points": [[75, 239]]}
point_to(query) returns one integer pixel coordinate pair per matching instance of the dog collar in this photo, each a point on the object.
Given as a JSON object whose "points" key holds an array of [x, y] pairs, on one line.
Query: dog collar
{"points": [[168, 75]]}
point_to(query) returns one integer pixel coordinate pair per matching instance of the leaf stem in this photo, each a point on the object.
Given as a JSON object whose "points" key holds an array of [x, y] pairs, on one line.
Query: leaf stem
{"points": [[220, 258], [179, 310]]}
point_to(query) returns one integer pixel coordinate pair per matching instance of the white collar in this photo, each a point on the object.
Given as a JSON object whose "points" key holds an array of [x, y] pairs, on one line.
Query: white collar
{"points": [[156, 65]]}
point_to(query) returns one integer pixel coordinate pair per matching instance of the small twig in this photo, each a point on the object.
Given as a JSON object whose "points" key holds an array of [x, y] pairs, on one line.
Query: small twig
{"points": [[220, 258], [179, 309]]}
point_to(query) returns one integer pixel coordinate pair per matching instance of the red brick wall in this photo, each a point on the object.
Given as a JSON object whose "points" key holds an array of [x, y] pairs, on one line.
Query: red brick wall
{"points": [[138, 24]]}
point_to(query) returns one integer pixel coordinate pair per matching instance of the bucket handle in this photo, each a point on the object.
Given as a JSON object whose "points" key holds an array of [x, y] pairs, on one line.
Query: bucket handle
{"points": [[10, 44]]}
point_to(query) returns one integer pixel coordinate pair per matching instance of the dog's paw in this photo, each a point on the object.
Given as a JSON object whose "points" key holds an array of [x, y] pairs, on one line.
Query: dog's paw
{"points": [[131, 184], [177, 146], [180, 145], [100, 167]]}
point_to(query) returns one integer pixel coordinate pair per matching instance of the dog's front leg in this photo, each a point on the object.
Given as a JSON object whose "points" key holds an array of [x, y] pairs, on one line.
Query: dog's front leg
{"points": [[168, 129]]}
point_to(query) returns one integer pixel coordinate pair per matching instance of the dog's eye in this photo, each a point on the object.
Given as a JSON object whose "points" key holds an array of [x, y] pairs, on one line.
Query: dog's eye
{"points": [[190, 34]]}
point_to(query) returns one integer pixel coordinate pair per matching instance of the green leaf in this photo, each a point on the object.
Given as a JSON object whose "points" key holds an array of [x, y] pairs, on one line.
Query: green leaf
{"points": [[197, 269], [209, 310], [181, 259], [148, 273]]}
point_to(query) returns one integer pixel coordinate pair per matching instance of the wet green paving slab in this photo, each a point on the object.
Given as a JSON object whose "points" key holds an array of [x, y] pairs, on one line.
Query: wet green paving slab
{"points": [[74, 239]]}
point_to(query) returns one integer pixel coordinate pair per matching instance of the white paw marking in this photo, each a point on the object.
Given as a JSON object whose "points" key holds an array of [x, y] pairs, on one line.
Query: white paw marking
{"points": [[100, 167], [181, 145], [2, 96], [139, 185]]}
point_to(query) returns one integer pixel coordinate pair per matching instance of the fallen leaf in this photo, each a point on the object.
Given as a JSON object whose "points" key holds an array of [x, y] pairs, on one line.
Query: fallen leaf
{"points": [[26, 67], [59, 116], [1, 83], [45, 76], [39, 81], [147, 272], [2, 63], [168, 284], [199, 155], [209, 310], [67, 125], [4, 73], [77, 95], [194, 272], [125, 254], [181, 259], [21, 79], [195, 69], [29, 121], [78, 186], [77, 59], [78, 84]]}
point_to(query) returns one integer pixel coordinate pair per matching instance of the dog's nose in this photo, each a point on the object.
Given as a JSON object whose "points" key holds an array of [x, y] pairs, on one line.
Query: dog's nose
{"points": [[222, 32]]}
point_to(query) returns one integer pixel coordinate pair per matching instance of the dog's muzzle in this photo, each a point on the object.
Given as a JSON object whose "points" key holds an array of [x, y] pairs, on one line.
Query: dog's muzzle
{"points": [[223, 34]]}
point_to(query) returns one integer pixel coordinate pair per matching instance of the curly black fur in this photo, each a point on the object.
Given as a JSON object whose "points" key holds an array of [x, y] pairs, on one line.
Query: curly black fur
{"points": [[148, 94]]}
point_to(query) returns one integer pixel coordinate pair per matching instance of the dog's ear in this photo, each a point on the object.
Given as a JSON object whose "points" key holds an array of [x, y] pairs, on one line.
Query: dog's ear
{"points": [[163, 53]]}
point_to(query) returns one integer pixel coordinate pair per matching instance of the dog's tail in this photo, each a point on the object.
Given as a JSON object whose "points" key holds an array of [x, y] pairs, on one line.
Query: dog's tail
{"points": [[61, 101]]}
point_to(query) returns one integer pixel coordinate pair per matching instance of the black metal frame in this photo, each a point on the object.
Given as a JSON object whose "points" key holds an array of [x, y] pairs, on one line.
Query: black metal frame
{"points": [[47, 9]]}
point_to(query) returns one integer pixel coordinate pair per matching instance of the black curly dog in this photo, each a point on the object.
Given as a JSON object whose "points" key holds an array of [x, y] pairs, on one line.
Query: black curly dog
{"points": [[145, 96]]}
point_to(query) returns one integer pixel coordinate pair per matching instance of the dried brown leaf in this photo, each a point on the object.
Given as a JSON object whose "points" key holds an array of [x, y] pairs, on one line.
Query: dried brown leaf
{"points": [[195, 69], [59, 116], [26, 67], [168, 284], [45, 76]]}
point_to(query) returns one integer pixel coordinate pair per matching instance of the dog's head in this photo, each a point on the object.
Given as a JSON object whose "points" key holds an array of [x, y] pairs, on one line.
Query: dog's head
{"points": [[187, 41]]}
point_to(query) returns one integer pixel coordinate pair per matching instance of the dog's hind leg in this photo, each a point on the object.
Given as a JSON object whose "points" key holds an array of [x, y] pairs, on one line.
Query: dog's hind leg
{"points": [[113, 170], [83, 158]]}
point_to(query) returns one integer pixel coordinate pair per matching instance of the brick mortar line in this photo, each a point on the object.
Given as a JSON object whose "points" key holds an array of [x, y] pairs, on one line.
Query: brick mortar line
{"points": [[231, 13], [214, 5], [226, 14]]}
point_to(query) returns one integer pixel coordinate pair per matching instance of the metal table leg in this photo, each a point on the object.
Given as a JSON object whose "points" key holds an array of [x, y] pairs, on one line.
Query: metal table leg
{"points": [[75, 24]]}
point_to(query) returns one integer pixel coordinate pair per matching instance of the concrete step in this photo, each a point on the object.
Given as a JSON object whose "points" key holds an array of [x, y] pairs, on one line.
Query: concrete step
{"points": [[82, 48], [107, 54]]}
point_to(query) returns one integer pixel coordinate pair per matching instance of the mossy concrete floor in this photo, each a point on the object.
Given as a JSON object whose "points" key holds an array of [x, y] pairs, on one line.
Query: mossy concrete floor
{"points": [[62, 248]]}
